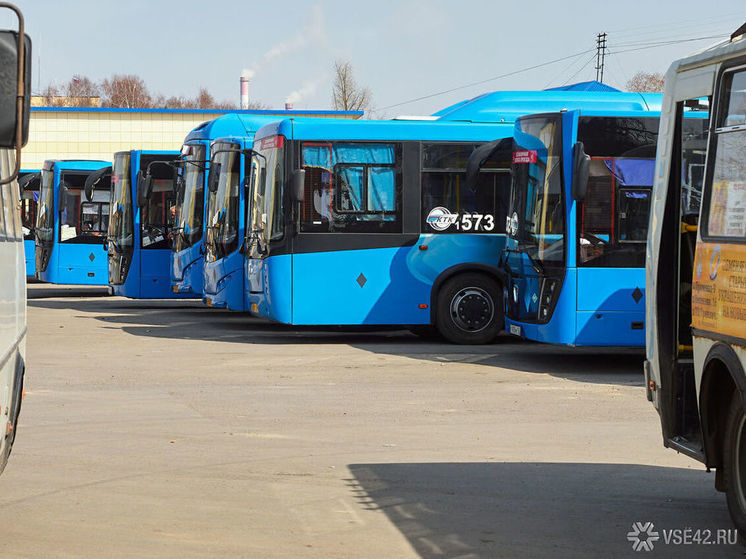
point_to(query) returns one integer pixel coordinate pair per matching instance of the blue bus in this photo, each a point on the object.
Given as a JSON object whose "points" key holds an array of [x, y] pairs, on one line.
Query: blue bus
{"points": [[141, 222], [371, 223], [71, 229], [577, 226], [29, 182], [187, 259]]}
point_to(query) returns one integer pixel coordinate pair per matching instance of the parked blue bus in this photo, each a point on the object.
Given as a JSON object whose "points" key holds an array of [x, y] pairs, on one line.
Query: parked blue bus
{"points": [[187, 260], [577, 226], [188, 272], [70, 229], [29, 182], [141, 222], [370, 223]]}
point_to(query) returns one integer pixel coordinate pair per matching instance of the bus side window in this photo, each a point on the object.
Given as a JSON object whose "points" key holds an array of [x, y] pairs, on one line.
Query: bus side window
{"points": [[726, 203], [442, 183], [351, 187]]}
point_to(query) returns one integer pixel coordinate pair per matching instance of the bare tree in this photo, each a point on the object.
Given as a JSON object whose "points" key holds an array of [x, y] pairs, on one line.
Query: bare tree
{"points": [[81, 91], [347, 95], [126, 91], [646, 82]]}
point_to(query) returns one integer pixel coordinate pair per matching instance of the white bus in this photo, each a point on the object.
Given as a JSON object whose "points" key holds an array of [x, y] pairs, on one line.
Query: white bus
{"points": [[696, 269], [15, 57]]}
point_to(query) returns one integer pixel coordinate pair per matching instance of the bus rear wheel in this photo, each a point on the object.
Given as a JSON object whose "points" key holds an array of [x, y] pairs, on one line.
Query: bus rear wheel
{"points": [[734, 463], [470, 309]]}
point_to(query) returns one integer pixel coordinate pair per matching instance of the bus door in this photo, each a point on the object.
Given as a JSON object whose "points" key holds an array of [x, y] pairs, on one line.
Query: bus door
{"points": [[349, 245], [611, 229], [268, 273], [82, 228], [157, 219]]}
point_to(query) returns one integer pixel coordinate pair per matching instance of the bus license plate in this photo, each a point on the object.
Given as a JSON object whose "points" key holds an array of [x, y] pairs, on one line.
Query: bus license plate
{"points": [[515, 329]]}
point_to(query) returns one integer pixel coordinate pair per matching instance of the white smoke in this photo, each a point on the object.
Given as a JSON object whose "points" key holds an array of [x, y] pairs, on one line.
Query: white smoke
{"points": [[306, 89], [314, 32], [248, 74]]}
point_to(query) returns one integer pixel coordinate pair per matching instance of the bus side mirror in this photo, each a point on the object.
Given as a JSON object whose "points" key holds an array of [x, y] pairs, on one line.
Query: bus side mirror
{"points": [[498, 149], [297, 185], [28, 179], [93, 179], [144, 188], [581, 165], [13, 113], [213, 179]]}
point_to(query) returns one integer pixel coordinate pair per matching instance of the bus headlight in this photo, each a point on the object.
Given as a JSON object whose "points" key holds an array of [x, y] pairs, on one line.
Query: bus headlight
{"points": [[516, 294], [549, 292]]}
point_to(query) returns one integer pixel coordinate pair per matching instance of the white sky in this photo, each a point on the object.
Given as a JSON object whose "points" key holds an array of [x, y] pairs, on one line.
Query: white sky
{"points": [[401, 50]]}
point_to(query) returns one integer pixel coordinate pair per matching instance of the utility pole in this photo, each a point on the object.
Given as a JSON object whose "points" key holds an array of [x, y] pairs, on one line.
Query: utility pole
{"points": [[600, 56]]}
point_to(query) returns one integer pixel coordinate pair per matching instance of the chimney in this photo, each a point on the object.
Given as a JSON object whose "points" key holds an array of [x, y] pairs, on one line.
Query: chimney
{"points": [[244, 92], [288, 106]]}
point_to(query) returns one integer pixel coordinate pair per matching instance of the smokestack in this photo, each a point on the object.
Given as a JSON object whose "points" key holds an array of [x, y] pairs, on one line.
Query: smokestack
{"points": [[244, 92], [288, 106]]}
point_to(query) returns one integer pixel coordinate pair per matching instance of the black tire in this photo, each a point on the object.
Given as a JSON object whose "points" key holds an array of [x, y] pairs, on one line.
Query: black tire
{"points": [[470, 309], [734, 463]]}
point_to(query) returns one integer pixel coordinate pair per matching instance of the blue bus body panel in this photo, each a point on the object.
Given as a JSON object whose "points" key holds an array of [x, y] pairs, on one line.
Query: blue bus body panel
{"points": [[187, 272], [611, 306], [29, 248], [270, 281], [224, 283], [369, 286], [77, 264]]}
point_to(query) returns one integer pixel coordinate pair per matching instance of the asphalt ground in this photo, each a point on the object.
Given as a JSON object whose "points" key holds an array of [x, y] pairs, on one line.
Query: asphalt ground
{"points": [[166, 429]]}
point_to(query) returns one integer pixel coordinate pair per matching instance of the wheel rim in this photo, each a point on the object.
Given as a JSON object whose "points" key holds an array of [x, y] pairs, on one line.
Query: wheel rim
{"points": [[740, 465], [472, 309]]}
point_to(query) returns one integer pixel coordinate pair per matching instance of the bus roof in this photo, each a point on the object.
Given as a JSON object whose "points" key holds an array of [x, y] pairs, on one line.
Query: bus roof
{"points": [[75, 164], [230, 125], [383, 130], [506, 106]]}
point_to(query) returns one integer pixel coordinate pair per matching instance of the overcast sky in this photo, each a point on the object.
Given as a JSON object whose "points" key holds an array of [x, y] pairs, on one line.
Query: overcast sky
{"points": [[401, 50]]}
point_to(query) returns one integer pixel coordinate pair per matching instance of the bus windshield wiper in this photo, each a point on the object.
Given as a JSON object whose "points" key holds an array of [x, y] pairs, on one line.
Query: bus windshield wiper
{"points": [[535, 263]]}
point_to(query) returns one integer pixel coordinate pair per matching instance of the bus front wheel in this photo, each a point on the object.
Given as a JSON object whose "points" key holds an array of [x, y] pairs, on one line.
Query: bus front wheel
{"points": [[734, 463], [470, 309]]}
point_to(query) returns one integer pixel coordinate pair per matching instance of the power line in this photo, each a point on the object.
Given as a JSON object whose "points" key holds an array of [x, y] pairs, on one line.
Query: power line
{"points": [[548, 63], [583, 67], [674, 25], [487, 80], [666, 43], [563, 71]]}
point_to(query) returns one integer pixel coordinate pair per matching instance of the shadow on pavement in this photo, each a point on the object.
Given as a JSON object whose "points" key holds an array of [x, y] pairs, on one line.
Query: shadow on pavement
{"points": [[542, 509], [189, 319], [41, 290]]}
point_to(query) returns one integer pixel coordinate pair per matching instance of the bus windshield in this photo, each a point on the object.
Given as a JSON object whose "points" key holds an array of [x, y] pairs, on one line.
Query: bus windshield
{"points": [[157, 214], [120, 234], [45, 217], [81, 220], [536, 215], [190, 214], [223, 216]]}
